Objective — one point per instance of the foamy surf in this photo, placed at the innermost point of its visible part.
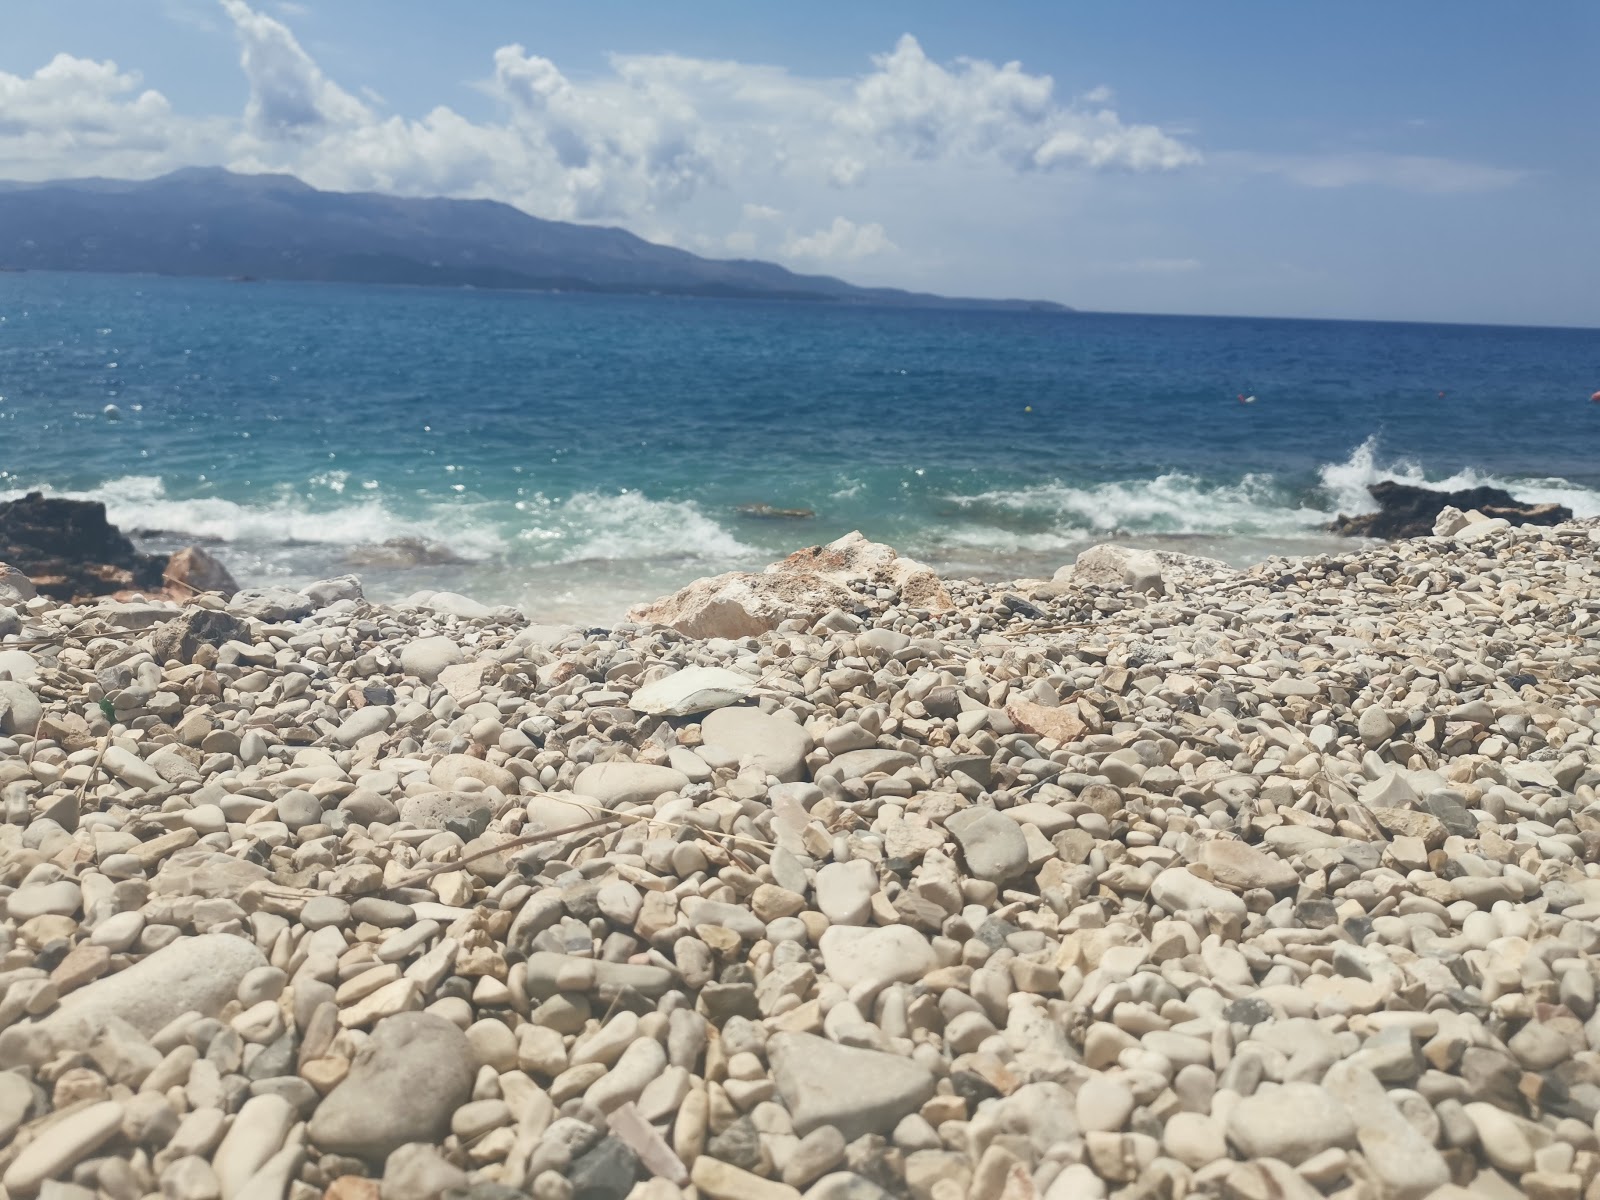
(1346, 483)
(596, 552)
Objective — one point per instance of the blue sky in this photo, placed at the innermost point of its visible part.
(1426, 161)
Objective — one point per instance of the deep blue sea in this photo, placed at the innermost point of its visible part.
(583, 452)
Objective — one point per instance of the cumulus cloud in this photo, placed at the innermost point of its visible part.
(843, 241)
(975, 109)
(646, 138)
(77, 116)
(289, 94)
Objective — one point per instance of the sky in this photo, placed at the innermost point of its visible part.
(1436, 160)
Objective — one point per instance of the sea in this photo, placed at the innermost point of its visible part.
(574, 454)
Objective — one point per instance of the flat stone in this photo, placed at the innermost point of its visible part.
(875, 956)
(549, 973)
(16, 1097)
(1291, 1122)
(993, 846)
(60, 898)
(1398, 1154)
(199, 974)
(1504, 1143)
(455, 767)
(692, 690)
(1178, 890)
(426, 657)
(857, 764)
(419, 1172)
(777, 746)
(434, 810)
(272, 604)
(20, 710)
(554, 813)
(256, 1134)
(364, 722)
(413, 1073)
(1241, 867)
(614, 783)
(130, 768)
(62, 1146)
(844, 891)
(855, 1091)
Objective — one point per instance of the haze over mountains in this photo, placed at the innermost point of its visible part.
(212, 222)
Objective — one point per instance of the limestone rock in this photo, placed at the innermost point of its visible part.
(428, 656)
(195, 570)
(273, 605)
(855, 1091)
(199, 973)
(1291, 1122)
(613, 783)
(993, 845)
(777, 746)
(20, 710)
(413, 1073)
(692, 690)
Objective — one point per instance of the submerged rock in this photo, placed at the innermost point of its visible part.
(1405, 510)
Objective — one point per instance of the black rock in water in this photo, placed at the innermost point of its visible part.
(70, 550)
(1408, 511)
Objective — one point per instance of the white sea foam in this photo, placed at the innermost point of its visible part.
(1347, 482)
(143, 502)
(1048, 516)
(590, 526)
(1169, 503)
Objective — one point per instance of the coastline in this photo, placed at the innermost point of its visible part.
(1159, 874)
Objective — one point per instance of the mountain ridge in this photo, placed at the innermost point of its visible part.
(207, 221)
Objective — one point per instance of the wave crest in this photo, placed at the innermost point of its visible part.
(1346, 483)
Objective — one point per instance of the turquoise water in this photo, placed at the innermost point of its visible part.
(580, 453)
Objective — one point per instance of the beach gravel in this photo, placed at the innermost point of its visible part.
(1157, 879)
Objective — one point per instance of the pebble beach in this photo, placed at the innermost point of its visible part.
(1155, 879)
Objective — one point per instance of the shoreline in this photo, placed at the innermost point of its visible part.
(1159, 875)
(599, 591)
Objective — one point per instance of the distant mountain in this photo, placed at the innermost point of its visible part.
(208, 221)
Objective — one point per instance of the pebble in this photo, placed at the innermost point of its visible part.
(1202, 882)
(855, 1091)
(413, 1073)
(62, 1146)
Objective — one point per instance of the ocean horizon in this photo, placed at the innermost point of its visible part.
(575, 454)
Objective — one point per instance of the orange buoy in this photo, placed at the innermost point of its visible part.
(1595, 399)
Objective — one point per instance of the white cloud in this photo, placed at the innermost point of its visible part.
(1402, 172)
(760, 212)
(76, 116)
(289, 94)
(647, 138)
(843, 241)
(975, 109)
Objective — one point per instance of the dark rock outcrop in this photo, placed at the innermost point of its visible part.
(1407, 511)
(70, 550)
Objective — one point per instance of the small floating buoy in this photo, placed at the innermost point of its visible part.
(1243, 399)
(112, 412)
(1595, 399)
(1027, 408)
